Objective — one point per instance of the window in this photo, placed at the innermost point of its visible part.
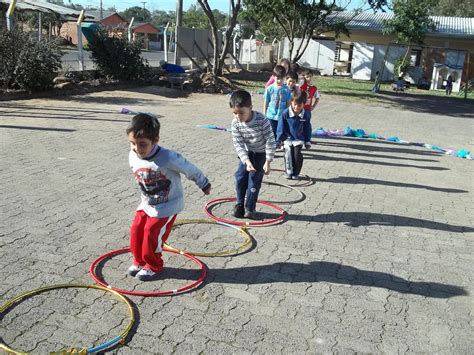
(415, 57)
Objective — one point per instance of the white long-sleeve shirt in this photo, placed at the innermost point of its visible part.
(159, 178)
(255, 136)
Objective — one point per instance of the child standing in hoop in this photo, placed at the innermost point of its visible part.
(157, 171)
(294, 131)
(254, 142)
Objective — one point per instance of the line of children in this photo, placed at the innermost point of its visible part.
(158, 170)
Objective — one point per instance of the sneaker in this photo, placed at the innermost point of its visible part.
(295, 177)
(238, 211)
(146, 275)
(250, 214)
(133, 270)
(288, 176)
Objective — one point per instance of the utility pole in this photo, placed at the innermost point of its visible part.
(179, 23)
(143, 2)
(101, 11)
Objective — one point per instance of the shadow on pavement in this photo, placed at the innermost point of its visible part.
(364, 181)
(357, 219)
(436, 105)
(324, 271)
(39, 128)
(317, 150)
(374, 148)
(62, 117)
(374, 162)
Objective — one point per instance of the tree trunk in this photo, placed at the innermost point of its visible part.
(218, 59)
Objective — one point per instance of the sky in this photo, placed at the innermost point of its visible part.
(170, 5)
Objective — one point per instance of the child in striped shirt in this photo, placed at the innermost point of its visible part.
(254, 142)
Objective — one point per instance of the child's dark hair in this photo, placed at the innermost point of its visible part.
(299, 96)
(144, 126)
(279, 71)
(307, 72)
(294, 67)
(240, 98)
(293, 75)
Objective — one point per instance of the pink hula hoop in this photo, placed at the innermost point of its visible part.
(208, 205)
(149, 294)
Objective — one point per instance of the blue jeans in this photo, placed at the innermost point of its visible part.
(274, 124)
(248, 184)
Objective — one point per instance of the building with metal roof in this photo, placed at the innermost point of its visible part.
(367, 50)
(462, 27)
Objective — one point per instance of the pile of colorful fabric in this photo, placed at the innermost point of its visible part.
(360, 133)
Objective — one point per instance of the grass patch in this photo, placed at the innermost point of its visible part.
(346, 88)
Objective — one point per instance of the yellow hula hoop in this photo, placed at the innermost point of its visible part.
(245, 246)
(118, 339)
(301, 197)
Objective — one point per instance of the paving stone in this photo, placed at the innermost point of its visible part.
(377, 259)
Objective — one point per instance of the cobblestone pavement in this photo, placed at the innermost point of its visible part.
(375, 259)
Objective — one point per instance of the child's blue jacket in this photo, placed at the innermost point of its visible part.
(294, 127)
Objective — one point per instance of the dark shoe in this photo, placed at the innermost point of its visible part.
(295, 177)
(239, 211)
(288, 176)
(250, 214)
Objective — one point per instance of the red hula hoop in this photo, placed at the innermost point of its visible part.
(149, 294)
(238, 223)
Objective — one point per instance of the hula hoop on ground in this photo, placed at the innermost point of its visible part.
(307, 180)
(246, 245)
(118, 339)
(210, 204)
(149, 294)
(302, 196)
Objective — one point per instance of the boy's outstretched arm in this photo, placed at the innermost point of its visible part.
(180, 164)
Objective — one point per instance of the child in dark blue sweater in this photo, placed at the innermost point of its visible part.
(294, 131)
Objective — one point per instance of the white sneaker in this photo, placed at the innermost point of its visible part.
(146, 275)
(133, 270)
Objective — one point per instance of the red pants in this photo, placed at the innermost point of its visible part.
(147, 236)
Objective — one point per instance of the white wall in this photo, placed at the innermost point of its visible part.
(394, 53)
(362, 56)
(319, 54)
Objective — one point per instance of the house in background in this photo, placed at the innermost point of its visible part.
(149, 35)
(113, 22)
(110, 20)
(448, 50)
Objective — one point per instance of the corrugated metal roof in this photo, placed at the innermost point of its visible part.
(445, 26)
(44, 6)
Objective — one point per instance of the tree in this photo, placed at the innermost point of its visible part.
(299, 19)
(461, 8)
(195, 17)
(139, 13)
(409, 24)
(116, 57)
(219, 57)
(161, 18)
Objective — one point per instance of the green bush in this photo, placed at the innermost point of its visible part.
(116, 58)
(26, 63)
(401, 65)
